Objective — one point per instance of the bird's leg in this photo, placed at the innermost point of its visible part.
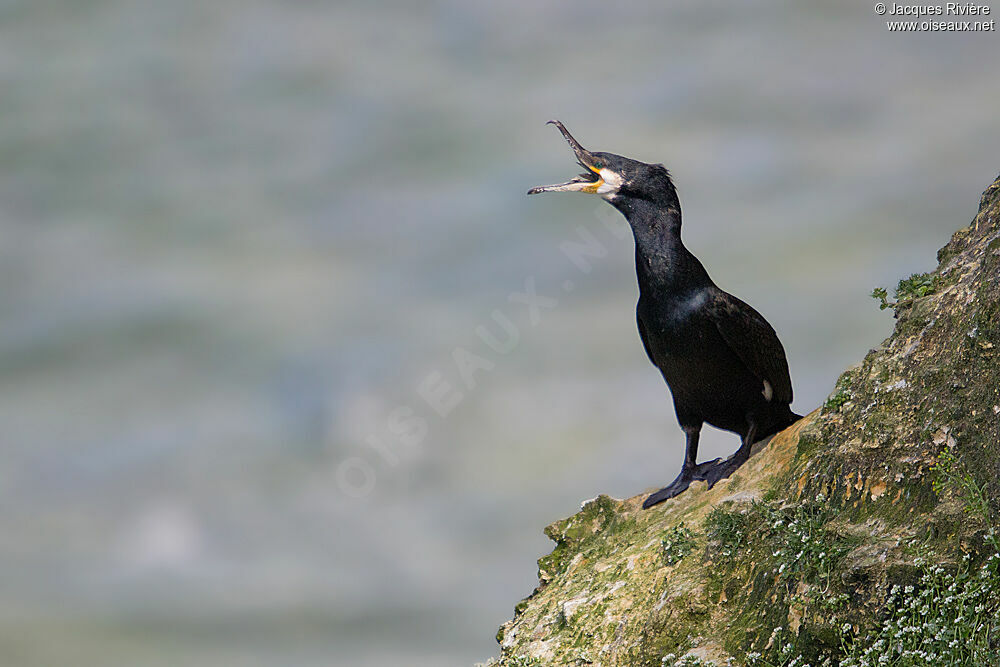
(690, 471)
(732, 464)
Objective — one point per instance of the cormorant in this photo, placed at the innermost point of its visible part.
(721, 359)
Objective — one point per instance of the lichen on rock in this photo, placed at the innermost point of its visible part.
(830, 533)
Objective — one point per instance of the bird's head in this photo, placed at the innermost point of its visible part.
(613, 177)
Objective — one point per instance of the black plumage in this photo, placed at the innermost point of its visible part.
(721, 359)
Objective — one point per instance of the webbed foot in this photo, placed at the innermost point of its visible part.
(682, 482)
(724, 469)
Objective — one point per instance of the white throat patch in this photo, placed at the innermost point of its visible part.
(612, 182)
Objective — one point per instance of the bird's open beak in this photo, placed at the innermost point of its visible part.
(588, 181)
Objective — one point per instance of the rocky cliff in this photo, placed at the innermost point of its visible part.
(862, 535)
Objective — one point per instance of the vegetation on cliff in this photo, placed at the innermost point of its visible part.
(865, 534)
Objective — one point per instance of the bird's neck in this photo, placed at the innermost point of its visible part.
(662, 262)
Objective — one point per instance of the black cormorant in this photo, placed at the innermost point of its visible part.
(720, 357)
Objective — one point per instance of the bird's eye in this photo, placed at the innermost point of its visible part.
(598, 165)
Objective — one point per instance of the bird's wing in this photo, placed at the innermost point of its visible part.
(754, 341)
(642, 335)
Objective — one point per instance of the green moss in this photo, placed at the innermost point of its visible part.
(836, 400)
(677, 543)
(671, 660)
(918, 285)
(790, 554)
(951, 477)
(667, 634)
(936, 613)
(882, 296)
(520, 607)
(573, 535)
(517, 661)
(842, 393)
(726, 530)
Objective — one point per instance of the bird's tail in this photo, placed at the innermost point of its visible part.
(790, 419)
(779, 424)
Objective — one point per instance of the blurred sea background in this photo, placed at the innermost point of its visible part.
(238, 236)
